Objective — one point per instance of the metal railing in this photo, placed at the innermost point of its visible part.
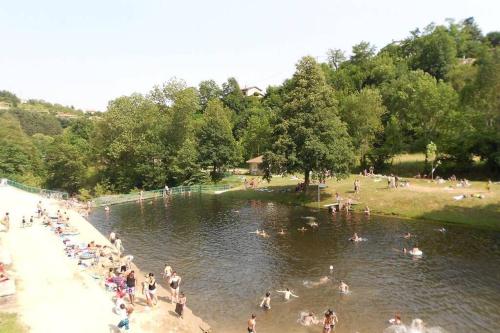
(136, 196)
(50, 194)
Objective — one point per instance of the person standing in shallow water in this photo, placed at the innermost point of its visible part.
(251, 324)
(175, 281)
(266, 302)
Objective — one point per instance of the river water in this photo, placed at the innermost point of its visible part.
(226, 269)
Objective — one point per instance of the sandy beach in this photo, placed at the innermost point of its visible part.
(53, 294)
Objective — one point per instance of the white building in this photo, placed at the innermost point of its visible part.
(252, 91)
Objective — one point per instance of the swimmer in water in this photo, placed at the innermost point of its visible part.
(106, 209)
(355, 238)
(281, 232)
(313, 224)
(416, 251)
(264, 234)
(321, 281)
(287, 293)
(443, 230)
(255, 232)
(343, 287)
(405, 250)
(302, 229)
(406, 235)
(396, 320)
(367, 210)
(266, 302)
(308, 319)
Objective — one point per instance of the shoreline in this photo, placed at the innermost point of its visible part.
(45, 309)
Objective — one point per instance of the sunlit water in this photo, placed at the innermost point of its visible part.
(226, 269)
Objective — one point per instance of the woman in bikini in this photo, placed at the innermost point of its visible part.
(175, 281)
(152, 288)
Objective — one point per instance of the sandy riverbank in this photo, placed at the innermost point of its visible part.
(54, 295)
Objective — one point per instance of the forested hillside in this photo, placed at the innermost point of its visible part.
(440, 85)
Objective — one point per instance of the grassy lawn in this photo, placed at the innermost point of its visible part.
(10, 324)
(423, 199)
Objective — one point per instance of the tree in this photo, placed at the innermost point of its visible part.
(10, 98)
(362, 112)
(232, 96)
(208, 90)
(257, 132)
(335, 58)
(217, 147)
(65, 167)
(494, 38)
(308, 134)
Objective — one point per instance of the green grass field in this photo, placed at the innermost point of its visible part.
(423, 199)
(9, 324)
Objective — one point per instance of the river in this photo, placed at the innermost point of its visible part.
(226, 269)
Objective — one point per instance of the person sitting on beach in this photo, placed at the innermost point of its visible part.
(287, 293)
(266, 301)
(367, 210)
(343, 287)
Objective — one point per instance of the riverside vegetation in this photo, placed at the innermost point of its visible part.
(439, 86)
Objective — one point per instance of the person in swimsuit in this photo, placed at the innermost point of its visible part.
(266, 302)
(175, 281)
(251, 324)
(355, 238)
(287, 293)
(112, 237)
(327, 322)
(302, 229)
(167, 273)
(152, 288)
(334, 319)
(367, 210)
(145, 292)
(281, 232)
(131, 282)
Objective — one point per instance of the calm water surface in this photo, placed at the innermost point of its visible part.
(226, 269)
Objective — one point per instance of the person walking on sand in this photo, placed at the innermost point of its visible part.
(152, 288)
(251, 324)
(39, 209)
(175, 282)
(145, 292)
(112, 237)
(181, 303)
(131, 283)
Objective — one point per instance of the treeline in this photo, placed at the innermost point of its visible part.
(440, 85)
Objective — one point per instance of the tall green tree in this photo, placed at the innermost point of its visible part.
(217, 147)
(309, 134)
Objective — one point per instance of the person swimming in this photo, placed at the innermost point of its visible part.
(266, 302)
(307, 319)
(302, 229)
(321, 281)
(443, 230)
(287, 293)
(281, 232)
(343, 287)
(406, 235)
(416, 251)
(367, 210)
(396, 320)
(355, 238)
(313, 224)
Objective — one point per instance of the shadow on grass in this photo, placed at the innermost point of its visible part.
(281, 193)
(487, 216)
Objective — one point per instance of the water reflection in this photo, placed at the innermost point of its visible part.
(226, 269)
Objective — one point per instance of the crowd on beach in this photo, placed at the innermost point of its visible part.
(105, 262)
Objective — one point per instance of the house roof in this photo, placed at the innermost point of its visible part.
(253, 87)
(257, 159)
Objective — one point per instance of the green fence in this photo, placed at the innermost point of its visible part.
(45, 193)
(136, 196)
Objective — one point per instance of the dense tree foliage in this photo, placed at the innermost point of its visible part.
(441, 84)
